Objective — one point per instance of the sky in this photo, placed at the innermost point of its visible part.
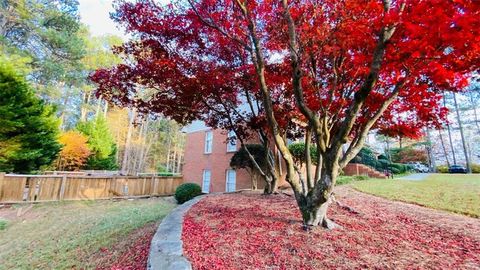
(96, 14)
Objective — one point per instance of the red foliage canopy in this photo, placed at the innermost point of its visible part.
(194, 59)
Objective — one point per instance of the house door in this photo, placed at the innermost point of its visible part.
(206, 181)
(231, 181)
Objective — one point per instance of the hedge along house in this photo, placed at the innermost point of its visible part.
(207, 160)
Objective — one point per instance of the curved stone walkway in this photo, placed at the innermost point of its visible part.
(166, 249)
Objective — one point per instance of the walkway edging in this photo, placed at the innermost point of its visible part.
(166, 249)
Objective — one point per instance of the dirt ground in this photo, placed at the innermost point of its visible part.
(252, 231)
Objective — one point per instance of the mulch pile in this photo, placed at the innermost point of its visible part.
(252, 231)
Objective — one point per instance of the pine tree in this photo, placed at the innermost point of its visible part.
(100, 142)
(28, 127)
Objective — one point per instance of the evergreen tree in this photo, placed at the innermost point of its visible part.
(100, 142)
(28, 127)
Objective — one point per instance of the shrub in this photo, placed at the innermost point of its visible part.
(395, 170)
(75, 151)
(475, 168)
(241, 160)
(398, 168)
(383, 164)
(187, 191)
(382, 157)
(442, 169)
(298, 152)
(3, 224)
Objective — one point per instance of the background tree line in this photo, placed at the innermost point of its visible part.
(51, 118)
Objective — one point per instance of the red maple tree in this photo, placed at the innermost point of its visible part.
(329, 70)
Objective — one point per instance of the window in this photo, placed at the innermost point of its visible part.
(206, 181)
(208, 142)
(231, 181)
(231, 142)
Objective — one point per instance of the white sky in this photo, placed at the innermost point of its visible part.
(96, 14)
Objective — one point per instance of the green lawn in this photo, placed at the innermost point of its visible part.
(65, 235)
(452, 192)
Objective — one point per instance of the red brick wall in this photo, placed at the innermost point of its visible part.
(218, 162)
(360, 169)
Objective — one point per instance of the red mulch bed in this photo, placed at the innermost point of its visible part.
(252, 231)
(131, 253)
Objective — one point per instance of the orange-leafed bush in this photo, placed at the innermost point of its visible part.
(407, 155)
(75, 151)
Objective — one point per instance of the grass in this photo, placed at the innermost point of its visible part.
(344, 179)
(452, 192)
(65, 235)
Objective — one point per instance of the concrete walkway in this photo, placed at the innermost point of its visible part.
(415, 177)
(166, 250)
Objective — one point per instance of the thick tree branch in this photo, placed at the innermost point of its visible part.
(356, 146)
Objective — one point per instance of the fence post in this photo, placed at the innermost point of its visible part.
(2, 187)
(62, 187)
(144, 185)
(112, 184)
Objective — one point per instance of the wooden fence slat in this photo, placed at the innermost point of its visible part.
(61, 195)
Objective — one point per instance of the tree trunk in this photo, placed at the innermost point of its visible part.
(271, 185)
(179, 162)
(450, 133)
(316, 214)
(443, 147)
(314, 206)
(475, 115)
(431, 158)
(465, 151)
(128, 140)
(254, 176)
(84, 107)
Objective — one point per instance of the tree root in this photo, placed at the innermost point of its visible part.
(327, 224)
(330, 224)
(344, 206)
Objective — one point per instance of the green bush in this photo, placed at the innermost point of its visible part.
(187, 191)
(395, 170)
(3, 224)
(382, 157)
(383, 164)
(475, 168)
(298, 152)
(442, 169)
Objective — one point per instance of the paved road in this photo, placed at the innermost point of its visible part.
(415, 177)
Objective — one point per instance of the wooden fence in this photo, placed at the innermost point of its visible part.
(43, 188)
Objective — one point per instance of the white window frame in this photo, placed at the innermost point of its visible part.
(227, 178)
(206, 187)
(208, 142)
(231, 147)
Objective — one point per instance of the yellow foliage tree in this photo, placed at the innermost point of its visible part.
(75, 151)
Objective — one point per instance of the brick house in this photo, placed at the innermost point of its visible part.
(207, 160)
